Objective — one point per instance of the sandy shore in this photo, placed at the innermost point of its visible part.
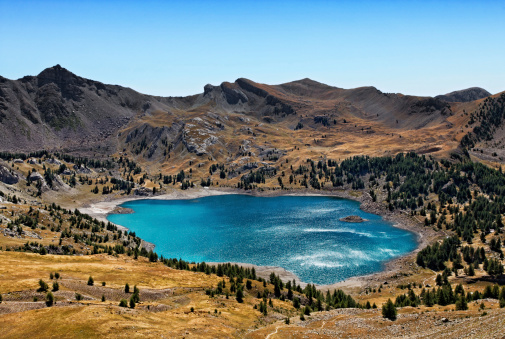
(102, 209)
(401, 265)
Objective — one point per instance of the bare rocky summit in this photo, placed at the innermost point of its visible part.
(465, 95)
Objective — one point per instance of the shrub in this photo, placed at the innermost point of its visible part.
(56, 286)
(123, 303)
(91, 282)
(103, 298)
(43, 286)
(49, 299)
(126, 288)
(132, 302)
(57, 275)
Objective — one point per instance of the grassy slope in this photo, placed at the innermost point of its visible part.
(170, 294)
(21, 272)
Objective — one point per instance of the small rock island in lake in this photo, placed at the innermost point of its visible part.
(353, 218)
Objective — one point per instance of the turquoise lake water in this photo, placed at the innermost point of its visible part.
(301, 234)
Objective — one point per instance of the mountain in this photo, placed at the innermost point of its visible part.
(465, 95)
(58, 110)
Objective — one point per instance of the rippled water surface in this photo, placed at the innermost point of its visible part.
(301, 234)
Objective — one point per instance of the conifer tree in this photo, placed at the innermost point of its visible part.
(389, 310)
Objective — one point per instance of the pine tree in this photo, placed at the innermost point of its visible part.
(296, 303)
(461, 304)
(389, 310)
(136, 296)
(240, 296)
(471, 270)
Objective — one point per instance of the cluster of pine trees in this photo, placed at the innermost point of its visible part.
(445, 295)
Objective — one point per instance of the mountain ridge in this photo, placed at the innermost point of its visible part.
(60, 110)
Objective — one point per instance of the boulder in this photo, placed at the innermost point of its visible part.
(36, 176)
(82, 169)
(143, 192)
(7, 177)
(32, 161)
(18, 161)
(53, 161)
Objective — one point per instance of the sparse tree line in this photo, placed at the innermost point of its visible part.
(306, 300)
(444, 295)
(490, 114)
(81, 228)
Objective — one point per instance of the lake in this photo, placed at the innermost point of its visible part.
(302, 234)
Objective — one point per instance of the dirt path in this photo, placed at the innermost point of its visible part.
(273, 333)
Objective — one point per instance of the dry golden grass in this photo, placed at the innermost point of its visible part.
(167, 312)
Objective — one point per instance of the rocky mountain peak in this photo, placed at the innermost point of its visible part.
(465, 95)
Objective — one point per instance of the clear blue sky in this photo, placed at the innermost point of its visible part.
(175, 48)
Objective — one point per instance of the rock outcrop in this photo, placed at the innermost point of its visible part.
(82, 169)
(7, 177)
(353, 218)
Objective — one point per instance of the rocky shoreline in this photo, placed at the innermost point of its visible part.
(398, 266)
